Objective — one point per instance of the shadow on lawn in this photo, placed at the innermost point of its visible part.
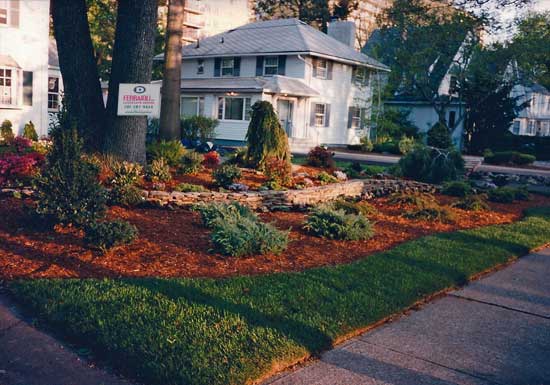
(313, 339)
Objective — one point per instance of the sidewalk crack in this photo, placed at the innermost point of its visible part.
(498, 305)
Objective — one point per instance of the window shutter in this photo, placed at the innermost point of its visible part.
(237, 66)
(329, 70)
(327, 115)
(353, 74)
(312, 115)
(362, 118)
(259, 65)
(217, 66)
(350, 116)
(27, 88)
(14, 13)
(314, 69)
(282, 65)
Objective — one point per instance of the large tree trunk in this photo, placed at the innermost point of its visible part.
(132, 63)
(80, 77)
(171, 82)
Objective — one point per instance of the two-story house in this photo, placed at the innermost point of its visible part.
(534, 119)
(30, 83)
(318, 85)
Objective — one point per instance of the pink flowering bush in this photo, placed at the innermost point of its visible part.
(18, 161)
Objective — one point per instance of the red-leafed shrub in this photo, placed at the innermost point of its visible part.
(278, 172)
(22, 145)
(17, 167)
(320, 157)
(211, 159)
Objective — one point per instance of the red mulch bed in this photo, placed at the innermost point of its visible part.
(173, 243)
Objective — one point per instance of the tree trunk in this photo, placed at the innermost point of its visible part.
(171, 82)
(80, 77)
(132, 63)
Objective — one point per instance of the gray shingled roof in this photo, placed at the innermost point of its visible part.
(276, 37)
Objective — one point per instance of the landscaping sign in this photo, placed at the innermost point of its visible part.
(138, 99)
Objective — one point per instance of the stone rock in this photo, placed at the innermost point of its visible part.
(340, 175)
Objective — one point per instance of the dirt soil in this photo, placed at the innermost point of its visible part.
(172, 243)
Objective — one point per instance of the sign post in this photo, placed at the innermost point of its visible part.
(138, 99)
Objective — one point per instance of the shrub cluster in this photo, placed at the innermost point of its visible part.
(327, 222)
(170, 151)
(226, 175)
(508, 194)
(29, 131)
(326, 178)
(19, 162)
(413, 199)
(189, 187)
(432, 165)
(197, 128)
(320, 157)
(237, 231)
(406, 144)
(124, 190)
(472, 203)
(159, 171)
(439, 136)
(457, 189)
(6, 131)
(105, 235)
(386, 145)
(355, 208)
(211, 159)
(509, 157)
(431, 213)
(190, 163)
(278, 172)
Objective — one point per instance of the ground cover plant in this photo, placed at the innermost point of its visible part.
(472, 203)
(227, 174)
(508, 194)
(457, 189)
(509, 157)
(237, 330)
(432, 165)
(333, 223)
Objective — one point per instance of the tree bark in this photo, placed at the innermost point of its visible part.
(83, 97)
(171, 82)
(132, 63)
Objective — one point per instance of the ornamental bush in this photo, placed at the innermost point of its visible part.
(211, 159)
(29, 131)
(105, 235)
(326, 178)
(124, 190)
(159, 171)
(278, 172)
(68, 190)
(457, 189)
(190, 163)
(432, 165)
(189, 187)
(265, 137)
(508, 194)
(226, 175)
(326, 222)
(472, 203)
(356, 208)
(212, 212)
(6, 131)
(320, 157)
(171, 151)
(509, 157)
(406, 144)
(432, 212)
(439, 136)
(19, 168)
(198, 127)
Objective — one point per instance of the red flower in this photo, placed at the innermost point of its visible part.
(211, 159)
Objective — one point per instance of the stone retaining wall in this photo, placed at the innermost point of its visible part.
(272, 200)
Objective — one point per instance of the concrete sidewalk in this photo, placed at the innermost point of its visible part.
(494, 331)
(31, 357)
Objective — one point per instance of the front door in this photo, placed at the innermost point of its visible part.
(284, 111)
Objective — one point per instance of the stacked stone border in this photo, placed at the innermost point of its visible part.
(273, 200)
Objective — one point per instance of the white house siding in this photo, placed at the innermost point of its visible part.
(533, 120)
(27, 44)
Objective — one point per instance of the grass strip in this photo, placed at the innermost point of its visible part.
(237, 330)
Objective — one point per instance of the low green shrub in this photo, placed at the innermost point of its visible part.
(366, 144)
(171, 151)
(326, 222)
(6, 131)
(457, 189)
(158, 171)
(198, 128)
(431, 213)
(190, 163)
(189, 187)
(326, 178)
(439, 136)
(320, 157)
(406, 144)
(226, 175)
(124, 190)
(29, 131)
(239, 157)
(508, 194)
(105, 235)
(432, 165)
(354, 208)
(509, 157)
(386, 145)
(210, 213)
(414, 199)
(472, 203)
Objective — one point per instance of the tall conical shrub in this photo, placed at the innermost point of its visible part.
(265, 137)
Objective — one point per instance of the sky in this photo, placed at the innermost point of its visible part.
(508, 15)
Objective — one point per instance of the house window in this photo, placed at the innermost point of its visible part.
(228, 65)
(531, 127)
(6, 86)
(271, 65)
(321, 68)
(53, 93)
(320, 114)
(4, 11)
(360, 76)
(516, 127)
(452, 119)
(231, 108)
(355, 114)
(453, 85)
(200, 67)
(192, 106)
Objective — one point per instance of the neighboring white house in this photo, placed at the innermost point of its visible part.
(318, 85)
(533, 120)
(29, 81)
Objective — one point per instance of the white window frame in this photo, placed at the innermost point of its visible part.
(356, 120)
(200, 105)
(271, 65)
(13, 78)
(232, 67)
(318, 73)
(321, 115)
(200, 66)
(245, 113)
(5, 4)
(53, 93)
(362, 80)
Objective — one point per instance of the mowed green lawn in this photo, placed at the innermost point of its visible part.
(232, 331)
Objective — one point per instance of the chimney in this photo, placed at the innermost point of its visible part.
(343, 31)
